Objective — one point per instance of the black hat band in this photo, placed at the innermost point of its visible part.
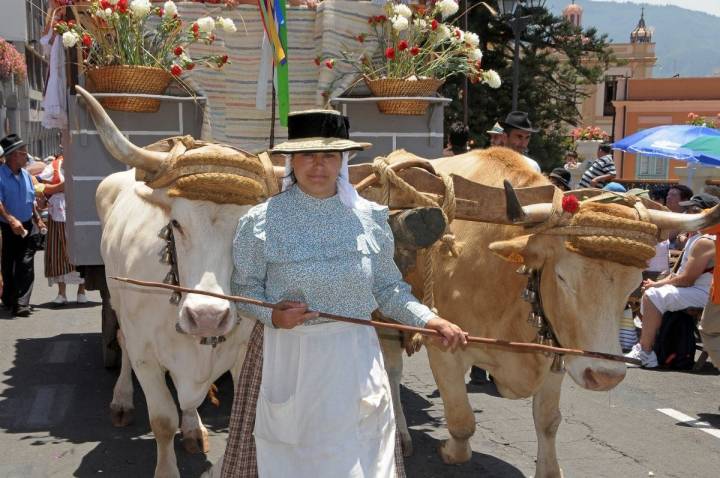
(320, 124)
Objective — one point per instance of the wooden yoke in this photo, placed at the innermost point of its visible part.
(474, 201)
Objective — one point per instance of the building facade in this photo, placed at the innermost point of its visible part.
(636, 60)
(22, 24)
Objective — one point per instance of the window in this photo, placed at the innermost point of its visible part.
(650, 167)
(611, 83)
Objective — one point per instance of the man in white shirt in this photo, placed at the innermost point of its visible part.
(518, 130)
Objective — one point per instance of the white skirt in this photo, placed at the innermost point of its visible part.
(324, 408)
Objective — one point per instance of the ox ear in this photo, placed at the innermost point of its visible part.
(513, 250)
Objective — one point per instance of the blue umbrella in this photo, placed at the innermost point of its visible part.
(668, 141)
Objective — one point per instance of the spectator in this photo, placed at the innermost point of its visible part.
(497, 135)
(689, 287)
(58, 268)
(560, 177)
(457, 139)
(571, 160)
(614, 187)
(676, 194)
(518, 129)
(601, 171)
(710, 320)
(658, 193)
(17, 209)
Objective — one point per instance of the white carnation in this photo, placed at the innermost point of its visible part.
(140, 8)
(476, 54)
(206, 24)
(420, 23)
(443, 32)
(447, 8)
(226, 24)
(100, 13)
(458, 36)
(402, 10)
(472, 39)
(399, 23)
(169, 9)
(492, 78)
(70, 39)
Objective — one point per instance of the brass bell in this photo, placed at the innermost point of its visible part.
(539, 321)
(558, 364)
(523, 270)
(175, 298)
(528, 295)
(165, 233)
(170, 278)
(166, 256)
(531, 318)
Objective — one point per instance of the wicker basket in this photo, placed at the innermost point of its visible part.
(394, 87)
(129, 79)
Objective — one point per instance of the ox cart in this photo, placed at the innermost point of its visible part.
(88, 163)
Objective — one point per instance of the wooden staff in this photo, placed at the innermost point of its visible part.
(520, 346)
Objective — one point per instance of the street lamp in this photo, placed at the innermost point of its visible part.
(511, 8)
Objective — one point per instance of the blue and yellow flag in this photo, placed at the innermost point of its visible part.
(272, 14)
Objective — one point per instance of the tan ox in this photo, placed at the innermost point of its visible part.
(481, 291)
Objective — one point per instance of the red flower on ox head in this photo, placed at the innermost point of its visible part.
(330, 64)
(122, 6)
(570, 204)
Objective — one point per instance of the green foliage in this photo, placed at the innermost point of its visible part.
(557, 60)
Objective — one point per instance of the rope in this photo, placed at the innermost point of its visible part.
(388, 180)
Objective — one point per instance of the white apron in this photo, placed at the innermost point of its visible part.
(324, 408)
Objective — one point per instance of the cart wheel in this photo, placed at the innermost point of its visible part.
(111, 351)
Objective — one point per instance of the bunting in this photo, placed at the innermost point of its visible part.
(273, 15)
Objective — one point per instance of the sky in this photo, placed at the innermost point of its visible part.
(707, 6)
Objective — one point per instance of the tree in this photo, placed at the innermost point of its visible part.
(557, 62)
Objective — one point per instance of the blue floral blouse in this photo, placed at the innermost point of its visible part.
(318, 251)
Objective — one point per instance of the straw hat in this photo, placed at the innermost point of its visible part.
(318, 130)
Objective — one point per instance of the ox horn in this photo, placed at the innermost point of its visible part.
(674, 221)
(116, 143)
(517, 214)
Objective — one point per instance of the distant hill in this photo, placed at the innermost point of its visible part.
(686, 41)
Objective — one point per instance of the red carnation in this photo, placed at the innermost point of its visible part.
(71, 23)
(86, 40)
(178, 50)
(371, 20)
(414, 50)
(402, 45)
(160, 11)
(382, 18)
(189, 66)
(195, 28)
(390, 53)
(122, 6)
(105, 4)
(434, 25)
(570, 204)
(330, 63)
(176, 70)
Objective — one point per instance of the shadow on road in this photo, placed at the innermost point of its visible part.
(60, 392)
(426, 463)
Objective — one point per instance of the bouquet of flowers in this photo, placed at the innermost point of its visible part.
(589, 133)
(415, 43)
(697, 120)
(135, 33)
(11, 62)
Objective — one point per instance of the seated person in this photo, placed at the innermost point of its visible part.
(688, 287)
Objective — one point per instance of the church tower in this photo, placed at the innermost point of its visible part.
(642, 33)
(573, 14)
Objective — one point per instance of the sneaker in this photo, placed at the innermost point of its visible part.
(59, 300)
(21, 311)
(647, 359)
(82, 299)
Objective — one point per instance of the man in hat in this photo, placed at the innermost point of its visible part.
(560, 177)
(518, 129)
(497, 135)
(688, 287)
(17, 208)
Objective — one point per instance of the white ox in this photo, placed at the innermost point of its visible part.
(157, 336)
(583, 299)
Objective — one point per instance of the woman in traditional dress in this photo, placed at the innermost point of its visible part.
(58, 268)
(324, 408)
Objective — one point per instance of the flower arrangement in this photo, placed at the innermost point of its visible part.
(124, 32)
(11, 62)
(697, 120)
(589, 133)
(415, 43)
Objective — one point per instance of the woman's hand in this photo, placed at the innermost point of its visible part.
(291, 314)
(452, 335)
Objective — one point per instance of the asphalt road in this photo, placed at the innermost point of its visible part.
(54, 418)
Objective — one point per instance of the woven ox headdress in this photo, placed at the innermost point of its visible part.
(190, 168)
